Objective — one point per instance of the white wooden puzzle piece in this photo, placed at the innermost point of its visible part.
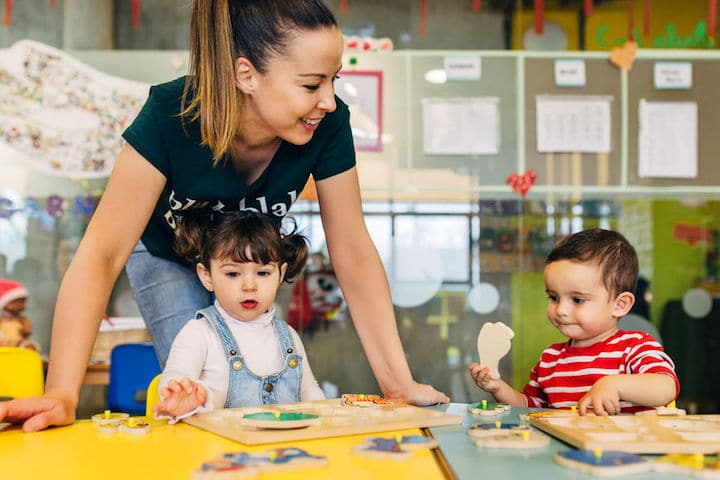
(493, 343)
(485, 408)
(517, 439)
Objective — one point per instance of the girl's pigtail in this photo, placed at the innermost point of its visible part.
(296, 255)
(190, 233)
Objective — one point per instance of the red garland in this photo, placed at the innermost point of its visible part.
(135, 14)
(343, 6)
(8, 13)
(589, 4)
(646, 19)
(421, 26)
(712, 17)
(476, 6)
(631, 21)
(539, 20)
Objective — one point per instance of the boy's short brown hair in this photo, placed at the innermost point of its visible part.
(616, 257)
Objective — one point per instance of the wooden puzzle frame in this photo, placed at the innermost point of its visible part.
(335, 419)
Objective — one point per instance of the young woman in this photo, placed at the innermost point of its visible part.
(256, 116)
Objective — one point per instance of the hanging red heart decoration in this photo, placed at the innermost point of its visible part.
(522, 183)
(51, 4)
(8, 13)
(476, 6)
(135, 14)
(539, 17)
(712, 17)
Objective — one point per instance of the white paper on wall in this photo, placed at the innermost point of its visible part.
(668, 142)
(461, 126)
(573, 123)
(64, 116)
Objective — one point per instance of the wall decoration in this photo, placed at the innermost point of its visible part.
(53, 205)
(65, 116)
(362, 91)
(367, 44)
(522, 183)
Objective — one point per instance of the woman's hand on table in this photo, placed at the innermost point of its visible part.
(419, 394)
(38, 413)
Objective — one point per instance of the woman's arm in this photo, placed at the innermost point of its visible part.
(364, 284)
(121, 216)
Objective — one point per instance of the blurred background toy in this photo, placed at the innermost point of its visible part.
(15, 328)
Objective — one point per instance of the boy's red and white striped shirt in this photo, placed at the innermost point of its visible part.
(565, 373)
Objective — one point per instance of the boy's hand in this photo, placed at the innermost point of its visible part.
(603, 397)
(181, 397)
(481, 375)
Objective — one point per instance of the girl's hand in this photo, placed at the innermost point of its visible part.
(179, 398)
(482, 377)
(419, 394)
(603, 398)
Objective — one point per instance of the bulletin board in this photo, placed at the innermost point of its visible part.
(704, 91)
(497, 80)
(573, 169)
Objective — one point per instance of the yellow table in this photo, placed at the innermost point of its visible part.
(80, 452)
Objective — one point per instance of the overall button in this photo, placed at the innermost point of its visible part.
(289, 350)
(237, 365)
(292, 363)
(269, 387)
(233, 352)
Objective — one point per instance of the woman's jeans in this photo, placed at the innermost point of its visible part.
(167, 293)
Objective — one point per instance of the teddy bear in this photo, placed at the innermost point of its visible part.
(15, 328)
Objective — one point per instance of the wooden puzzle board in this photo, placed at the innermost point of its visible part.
(642, 434)
(335, 420)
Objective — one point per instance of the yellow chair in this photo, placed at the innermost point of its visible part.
(21, 373)
(153, 396)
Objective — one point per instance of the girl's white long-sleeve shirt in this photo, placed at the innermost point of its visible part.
(198, 354)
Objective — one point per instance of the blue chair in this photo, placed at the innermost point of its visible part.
(132, 368)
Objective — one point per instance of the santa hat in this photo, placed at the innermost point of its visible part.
(11, 290)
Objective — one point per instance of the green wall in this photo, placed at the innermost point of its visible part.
(678, 265)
